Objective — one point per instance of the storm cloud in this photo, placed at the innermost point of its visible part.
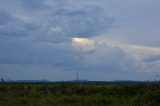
(36, 38)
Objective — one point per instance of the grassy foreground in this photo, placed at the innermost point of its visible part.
(14, 94)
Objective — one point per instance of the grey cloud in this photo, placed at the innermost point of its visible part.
(4, 17)
(38, 32)
(84, 22)
(108, 58)
(13, 26)
(32, 5)
(152, 58)
(74, 20)
(15, 53)
(55, 22)
(103, 58)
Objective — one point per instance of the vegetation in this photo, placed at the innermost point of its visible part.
(66, 94)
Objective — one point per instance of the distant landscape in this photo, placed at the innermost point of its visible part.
(80, 93)
(79, 52)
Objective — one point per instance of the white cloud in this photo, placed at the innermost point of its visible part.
(141, 51)
(83, 44)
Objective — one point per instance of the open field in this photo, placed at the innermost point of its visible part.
(67, 94)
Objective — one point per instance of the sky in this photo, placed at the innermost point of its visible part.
(102, 40)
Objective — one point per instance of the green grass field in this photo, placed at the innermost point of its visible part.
(21, 94)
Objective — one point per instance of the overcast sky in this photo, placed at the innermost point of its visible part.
(99, 39)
